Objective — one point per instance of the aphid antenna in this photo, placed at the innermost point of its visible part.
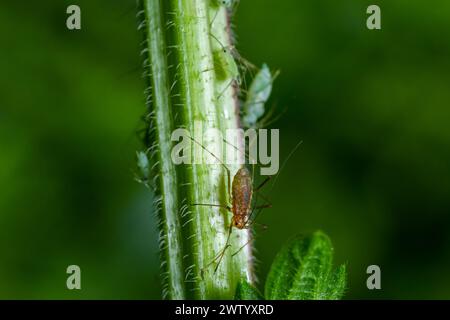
(220, 162)
(258, 194)
(247, 155)
(284, 163)
(225, 89)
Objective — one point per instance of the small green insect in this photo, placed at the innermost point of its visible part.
(143, 165)
(225, 66)
(257, 96)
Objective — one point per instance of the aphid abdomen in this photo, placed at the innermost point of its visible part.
(242, 191)
(224, 65)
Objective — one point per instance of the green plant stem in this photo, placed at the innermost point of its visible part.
(193, 236)
(170, 225)
(200, 92)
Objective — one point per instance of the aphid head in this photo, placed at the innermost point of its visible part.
(239, 222)
(226, 3)
(229, 3)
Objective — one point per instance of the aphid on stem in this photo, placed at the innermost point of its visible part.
(225, 65)
(240, 192)
(225, 68)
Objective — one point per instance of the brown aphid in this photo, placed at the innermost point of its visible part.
(242, 192)
(241, 201)
(241, 205)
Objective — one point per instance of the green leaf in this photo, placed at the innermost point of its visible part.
(302, 270)
(337, 284)
(245, 291)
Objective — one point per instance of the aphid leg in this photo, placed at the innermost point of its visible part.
(240, 249)
(142, 181)
(220, 255)
(225, 89)
(247, 155)
(264, 228)
(262, 184)
(264, 206)
(251, 220)
(227, 244)
(202, 270)
(285, 162)
(246, 65)
(268, 203)
(214, 18)
(268, 119)
(218, 41)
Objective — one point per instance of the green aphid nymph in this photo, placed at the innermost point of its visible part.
(224, 65)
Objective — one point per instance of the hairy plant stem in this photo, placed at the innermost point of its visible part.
(161, 114)
(193, 236)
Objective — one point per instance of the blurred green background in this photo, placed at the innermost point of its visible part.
(372, 109)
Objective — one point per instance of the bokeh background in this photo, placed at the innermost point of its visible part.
(372, 109)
